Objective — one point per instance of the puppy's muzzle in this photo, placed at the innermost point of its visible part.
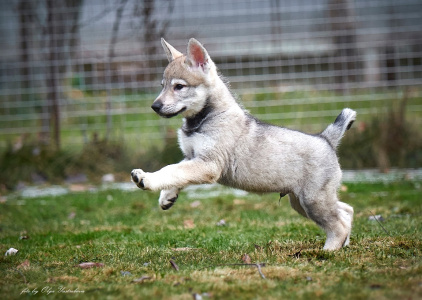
(156, 106)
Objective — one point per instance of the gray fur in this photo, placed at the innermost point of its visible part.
(223, 143)
(334, 132)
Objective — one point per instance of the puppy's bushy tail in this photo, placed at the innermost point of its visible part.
(334, 132)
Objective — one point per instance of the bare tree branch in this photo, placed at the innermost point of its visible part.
(100, 15)
(116, 25)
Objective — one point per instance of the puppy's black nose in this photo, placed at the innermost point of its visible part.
(156, 106)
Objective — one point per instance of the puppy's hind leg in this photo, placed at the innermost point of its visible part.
(295, 204)
(334, 218)
(346, 213)
(168, 198)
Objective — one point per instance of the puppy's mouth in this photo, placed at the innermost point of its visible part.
(164, 115)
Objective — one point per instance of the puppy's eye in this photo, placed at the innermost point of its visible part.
(178, 87)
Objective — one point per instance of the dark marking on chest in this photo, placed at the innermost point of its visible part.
(193, 124)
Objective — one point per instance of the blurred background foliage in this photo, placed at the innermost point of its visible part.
(77, 79)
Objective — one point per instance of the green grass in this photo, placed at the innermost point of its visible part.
(128, 232)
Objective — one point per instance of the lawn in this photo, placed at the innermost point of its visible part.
(138, 251)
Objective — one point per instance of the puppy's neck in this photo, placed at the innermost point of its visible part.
(193, 124)
(221, 95)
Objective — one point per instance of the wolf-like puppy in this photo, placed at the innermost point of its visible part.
(223, 143)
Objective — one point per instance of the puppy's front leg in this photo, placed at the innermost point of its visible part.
(195, 171)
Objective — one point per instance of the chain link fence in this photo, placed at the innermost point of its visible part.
(73, 70)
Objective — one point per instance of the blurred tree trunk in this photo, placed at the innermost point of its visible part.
(343, 29)
(151, 30)
(275, 17)
(53, 94)
(109, 67)
(25, 11)
(61, 35)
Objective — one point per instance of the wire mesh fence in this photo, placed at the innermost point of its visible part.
(73, 69)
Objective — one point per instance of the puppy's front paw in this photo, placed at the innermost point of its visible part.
(167, 198)
(138, 178)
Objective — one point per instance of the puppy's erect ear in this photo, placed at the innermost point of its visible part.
(171, 53)
(197, 55)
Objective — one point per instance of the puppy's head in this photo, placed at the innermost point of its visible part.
(187, 81)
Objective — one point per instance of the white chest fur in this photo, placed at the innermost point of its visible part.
(196, 144)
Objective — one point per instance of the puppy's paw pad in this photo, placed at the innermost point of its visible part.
(138, 177)
(167, 203)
